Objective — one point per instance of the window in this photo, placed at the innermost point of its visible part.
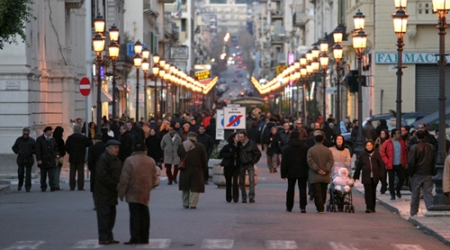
(183, 25)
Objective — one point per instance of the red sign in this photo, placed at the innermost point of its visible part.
(85, 86)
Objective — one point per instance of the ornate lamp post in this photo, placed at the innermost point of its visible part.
(303, 75)
(400, 21)
(137, 63)
(145, 67)
(98, 43)
(155, 72)
(441, 202)
(162, 75)
(315, 68)
(324, 59)
(359, 44)
(337, 54)
(114, 49)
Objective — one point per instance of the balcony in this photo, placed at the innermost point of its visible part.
(74, 4)
(423, 13)
(277, 14)
(278, 37)
(166, 1)
(173, 8)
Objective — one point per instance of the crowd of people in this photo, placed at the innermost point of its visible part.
(123, 159)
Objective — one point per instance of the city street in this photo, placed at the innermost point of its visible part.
(66, 220)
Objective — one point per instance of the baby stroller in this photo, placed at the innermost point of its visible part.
(341, 198)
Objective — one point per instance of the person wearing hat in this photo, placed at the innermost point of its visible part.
(76, 145)
(108, 169)
(46, 150)
(136, 182)
(94, 152)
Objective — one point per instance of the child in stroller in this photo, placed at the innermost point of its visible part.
(340, 191)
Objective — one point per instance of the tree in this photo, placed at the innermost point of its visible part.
(14, 15)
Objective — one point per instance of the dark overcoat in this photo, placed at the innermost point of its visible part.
(293, 160)
(369, 164)
(94, 153)
(24, 148)
(108, 170)
(191, 179)
(76, 145)
(46, 152)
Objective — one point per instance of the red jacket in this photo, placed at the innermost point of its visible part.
(387, 154)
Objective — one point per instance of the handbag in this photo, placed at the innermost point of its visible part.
(182, 165)
(59, 161)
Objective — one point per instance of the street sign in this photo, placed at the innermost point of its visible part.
(85, 86)
(130, 48)
(234, 117)
(220, 129)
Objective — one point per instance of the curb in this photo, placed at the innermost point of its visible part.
(4, 186)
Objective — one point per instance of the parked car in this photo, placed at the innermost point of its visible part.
(432, 121)
(407, 119)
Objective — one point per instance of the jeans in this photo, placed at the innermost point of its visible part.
(76, 168)
(272, 162)
(57, 175)
(301, 182)
(139, 222)
(320, 195)
(24, 170)
(251, 179)
(370, 191)
(400, 171)
(417, 182)
(106, 218)
(51, 178)
(231, 182)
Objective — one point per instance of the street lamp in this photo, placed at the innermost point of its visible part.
(324, 59)
(114, 49)
(98, 44)
(359, 44)
(303, 75)
(441, 202)
(137, 63)
(155, 72)
(337, 54)
(315, 64)
(400, 19)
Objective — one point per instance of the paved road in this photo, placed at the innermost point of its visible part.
(66, 220)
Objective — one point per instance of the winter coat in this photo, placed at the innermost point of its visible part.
(273, 144)
(207, 143)
(293, 159)
(153, 144)
(108, 170)
(370, 132)
(249, 154)
(265, 132)
(24, 148)
(428, 138)
(211, 130)
(371, 166)
(191, 178)
(126, 146)
(46, 152)
(137, 179)
(94, 153)
(76, 145)
(422, 159)
(284, 137)
(387, 154)
(319, 157)
(183, 135)
(230, 155)
(170, 149)
(254, 135)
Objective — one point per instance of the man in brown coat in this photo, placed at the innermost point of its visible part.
(136, 181)
(191, 178)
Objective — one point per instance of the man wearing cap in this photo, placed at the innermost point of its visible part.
(108, 170)
(46, 148)
(136, 181)
(76, 145)
(94, 152)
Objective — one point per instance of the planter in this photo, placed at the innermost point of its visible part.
(211, 164)
(219, 177)
(158, 174)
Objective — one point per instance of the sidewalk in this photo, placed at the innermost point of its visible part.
(433, 223)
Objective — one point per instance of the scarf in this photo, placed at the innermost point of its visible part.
(342, 147)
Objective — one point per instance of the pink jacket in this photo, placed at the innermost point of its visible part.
(387, 154)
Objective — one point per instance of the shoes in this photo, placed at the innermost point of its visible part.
(170, 183)
(72, 189)
(19, 188)
(311, 198)
(252, 201)
(289, 210)
(193, 207)
(372, 211)
(236, 201)
(114, 241)
(392, 198)
(275, 170)
(303, 211)
(130, 243)
(399, 195)
(81, 189)
(43, 190)
(186, 207)
(52, 190)
(206, 183)
(244, 201)
(175, 181)
(28, 190)
(103, 242)
(320, 212)
(368, 211)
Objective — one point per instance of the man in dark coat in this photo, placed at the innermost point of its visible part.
(211, 131)
(191, 178)
(108, 170)
(249, 155)
(370, 132)
(208, 143)
(428, 137)
(94, 152)
(24, 148)
(284, 134)
(126, 143)
(295, 168)
(46, 149)
(76, 145)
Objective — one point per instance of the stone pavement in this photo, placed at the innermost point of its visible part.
(436, 224)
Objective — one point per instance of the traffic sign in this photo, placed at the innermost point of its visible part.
(85, 86)
(220, 129)
(234, 117)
